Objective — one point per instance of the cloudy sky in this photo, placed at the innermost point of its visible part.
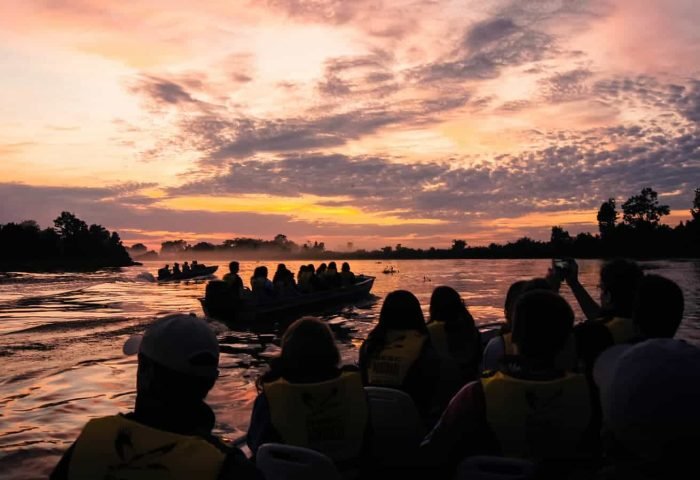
(371, 121)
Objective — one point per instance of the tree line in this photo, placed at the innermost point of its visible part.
(69, 245)
(638, 233)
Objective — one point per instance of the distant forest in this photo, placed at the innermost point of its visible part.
(70, 245)
(638, 233)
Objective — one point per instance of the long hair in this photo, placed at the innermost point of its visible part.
(447, 306)
(400, 311)
(309, 354)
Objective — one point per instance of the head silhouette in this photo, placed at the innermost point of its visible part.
(619, 280)
(309, 353)
(542, 323)
(511, 297)
(401, 311)
(447, 306)
(659, 307)
(233, 267)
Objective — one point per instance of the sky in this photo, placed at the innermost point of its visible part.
(374, 122)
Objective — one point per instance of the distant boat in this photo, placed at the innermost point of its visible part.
(249, 309)
(390, 271)
(199, 272)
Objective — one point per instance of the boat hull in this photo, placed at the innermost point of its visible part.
(203, 272)
(245, 311)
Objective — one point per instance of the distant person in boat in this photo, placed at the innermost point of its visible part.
(169, 433)
(321, 280)
(176, 269)
(304, 278)
(260, 284)
(529, 409)
(233, 279)
(164, 272)
(347, 278)
(308, 400)
(332, 275)
(186, 268)
(398, 353)
(196, 266)
(454, 335)
(314, 279)
(283, 281)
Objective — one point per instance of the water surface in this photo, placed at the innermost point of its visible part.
(61, 338)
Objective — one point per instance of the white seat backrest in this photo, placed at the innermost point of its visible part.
(396, 425)
(495, 468)
(277, 461)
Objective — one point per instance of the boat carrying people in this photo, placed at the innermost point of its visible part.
(187, 271)
(283, 296)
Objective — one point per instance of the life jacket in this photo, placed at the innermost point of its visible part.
(330, 417)
(438, 337)
(391, 365)
(118, 448)
(537, 419)
(622, 329)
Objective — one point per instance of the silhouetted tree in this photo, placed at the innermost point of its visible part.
(643, 210)
(459, 245)
(173, 247)
(69, 226)
(607, 216)
(139, 249)
(203, 247)
(695, 211)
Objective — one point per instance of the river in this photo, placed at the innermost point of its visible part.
(61, 338)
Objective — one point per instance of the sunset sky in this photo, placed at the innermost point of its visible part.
(370, 121)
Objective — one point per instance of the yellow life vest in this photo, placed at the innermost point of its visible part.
(390, 367)
(330, 417)
(118, 448)
(537, 419)
(622, 329)
(438, 337)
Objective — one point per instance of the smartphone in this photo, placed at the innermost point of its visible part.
(560, 264)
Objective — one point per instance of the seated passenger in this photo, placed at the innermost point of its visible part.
(305, 399)
(321, 280)
(186, 268)
(332, 275)
(398, 353)
(610, 322)
(196, 266)
(176, 269)
(503, 346)
(529, 409)
(164, 272)
(260, 284)
(168, 435)
(650, 396)
(283, 281)
(456, 339)
(233, 279)
(347, 278)
(304, 279)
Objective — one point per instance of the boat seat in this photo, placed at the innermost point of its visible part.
(495, 468)
(397, 428)
(277, 461)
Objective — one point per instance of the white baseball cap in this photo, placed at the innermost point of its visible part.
(650, 393)
(184, 343)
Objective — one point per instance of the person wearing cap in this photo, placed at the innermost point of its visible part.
(529, 408)
(307, 400)
(650, 395)
(168, 435)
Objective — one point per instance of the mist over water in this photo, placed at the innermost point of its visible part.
(61, 338)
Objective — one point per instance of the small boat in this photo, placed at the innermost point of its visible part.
(225, 307)
(390, 271)
(199, 272)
